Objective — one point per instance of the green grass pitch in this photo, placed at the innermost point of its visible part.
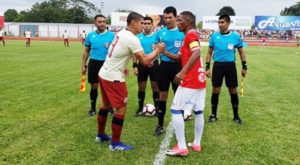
(43, 116)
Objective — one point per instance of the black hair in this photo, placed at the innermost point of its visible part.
(99, 15)
(225, 17)
(191, 17)
(148, 18)
(170, 9)
(133, 16)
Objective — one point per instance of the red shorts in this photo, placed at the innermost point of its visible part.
(66, 40)
(1, 38)
(28, 39)
(82, 40)
(113, 93)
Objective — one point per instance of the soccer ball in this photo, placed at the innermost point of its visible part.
(149, 110)
(187, 115)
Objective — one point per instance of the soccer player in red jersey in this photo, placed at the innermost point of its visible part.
(190, 94)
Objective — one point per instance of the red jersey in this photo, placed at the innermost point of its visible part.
(195, 78)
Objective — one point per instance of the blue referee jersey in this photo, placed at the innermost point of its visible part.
(172, 38)
(147, 41)
(224, 46)
(99, 44)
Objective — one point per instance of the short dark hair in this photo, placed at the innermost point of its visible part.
(171, 9)
(148, 18)
(99, 15)
(225, 17)
(191, 17)
(133, 16)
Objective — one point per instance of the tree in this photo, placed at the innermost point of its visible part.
(11, 15)
(291, 11)
(226, 10)
(60, 11)
(199, 25)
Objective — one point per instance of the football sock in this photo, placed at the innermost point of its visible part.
(235, 105)
(93, 97)
(214, 103)
(155, 96)
(116, 127)
(161, 112)
(102, 115)
(178, 124)
(199, 126)
(141, 98)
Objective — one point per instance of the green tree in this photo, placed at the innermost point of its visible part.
(60, 11)
(291, 11)
(11, 15)
(226, 10)
(199, 25)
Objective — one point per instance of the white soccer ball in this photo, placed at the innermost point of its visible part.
(149, 110)
(187, 115)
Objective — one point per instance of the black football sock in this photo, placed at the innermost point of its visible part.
(155, 96)
(93, 97)
(214, 103)
(235, 105)
(161, 112)
(141, 98)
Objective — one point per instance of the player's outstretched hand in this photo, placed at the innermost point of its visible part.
(244, 72)
(161, 47)
(208, 74)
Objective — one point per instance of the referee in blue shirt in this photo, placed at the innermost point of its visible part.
(222, 46)
(96, 47)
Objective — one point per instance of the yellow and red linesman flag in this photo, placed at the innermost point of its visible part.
(82, 83)
(242, 88)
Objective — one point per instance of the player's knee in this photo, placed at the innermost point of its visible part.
(232, 90)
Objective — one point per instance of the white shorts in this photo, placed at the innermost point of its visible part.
(188, 99)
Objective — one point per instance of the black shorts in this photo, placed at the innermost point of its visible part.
(227, 69)
(144, 72)
(167, 72)
(94, 67)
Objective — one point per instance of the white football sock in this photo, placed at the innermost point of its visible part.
(199, 126)
(178, 124)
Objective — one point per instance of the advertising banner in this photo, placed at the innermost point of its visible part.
(277, 22)
(119, 18)
(237, 22)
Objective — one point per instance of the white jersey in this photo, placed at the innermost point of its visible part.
(1, 33)
(65, 35)
(28, 34)
(83, 35)
(124, 45)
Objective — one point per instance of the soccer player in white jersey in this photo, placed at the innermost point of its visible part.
(27, 36)
(66, 38)
(1, 36)
(83, 36)
(112, 78)
(190, 94)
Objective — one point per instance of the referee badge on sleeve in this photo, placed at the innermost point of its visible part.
(106, 44)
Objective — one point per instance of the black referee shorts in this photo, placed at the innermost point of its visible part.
(167, 72)
(145, 72)
(94, 67)
(227, 70)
